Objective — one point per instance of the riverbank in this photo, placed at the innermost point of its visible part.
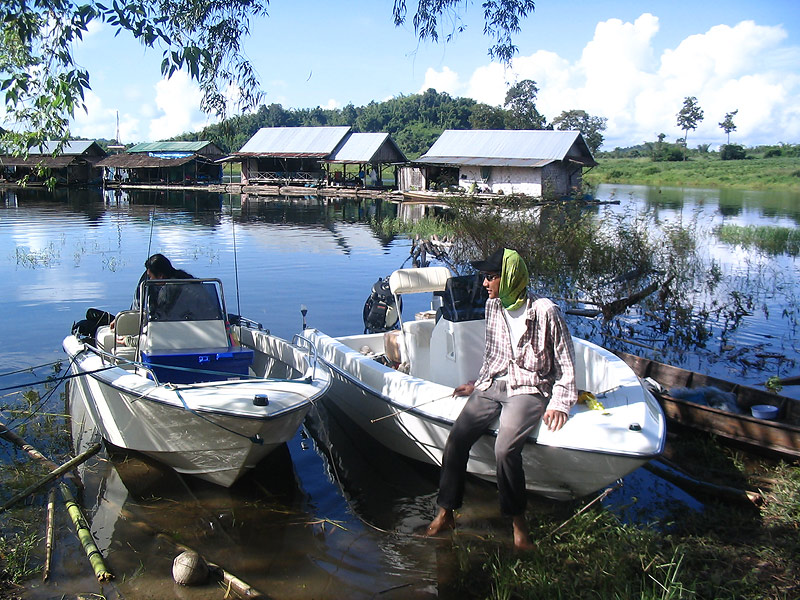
(776, 173)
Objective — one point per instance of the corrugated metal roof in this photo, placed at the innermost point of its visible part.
(139, 160)
(484, 162)
(295, 141)
(363, 148)
(51, 162)
(71, 148)
(168, 147)
(507, 146)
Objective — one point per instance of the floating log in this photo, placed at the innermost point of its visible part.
(85, 536)
(55, 474)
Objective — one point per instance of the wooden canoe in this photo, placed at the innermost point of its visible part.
(780, 436)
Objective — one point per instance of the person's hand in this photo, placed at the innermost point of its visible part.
(555, 419)
(465, 389)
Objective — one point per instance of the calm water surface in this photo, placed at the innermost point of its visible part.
(332, 515)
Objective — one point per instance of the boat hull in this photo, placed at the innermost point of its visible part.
(414, 417)
(211, 430)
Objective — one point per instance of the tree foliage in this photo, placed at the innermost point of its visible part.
(689, 117)
(521, 103)
(727, 124)
(441, 19)
(43, 86)
(591, 127)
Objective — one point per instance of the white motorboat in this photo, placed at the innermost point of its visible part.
(398, 387)
(181, 381)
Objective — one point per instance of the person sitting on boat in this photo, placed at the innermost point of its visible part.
(527, 375)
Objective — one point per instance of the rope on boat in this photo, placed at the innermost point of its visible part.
(256, 439)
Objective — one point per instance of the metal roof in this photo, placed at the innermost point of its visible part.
(508, 147)
(365, 147)
(71, 148)
(484, 162)
(168, 147)
(316, 142)
(139, 161)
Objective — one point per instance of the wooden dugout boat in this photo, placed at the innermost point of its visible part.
(780, 436)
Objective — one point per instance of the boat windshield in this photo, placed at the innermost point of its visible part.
(183, 300)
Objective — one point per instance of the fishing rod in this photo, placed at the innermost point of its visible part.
(404, 410)
(235, 259)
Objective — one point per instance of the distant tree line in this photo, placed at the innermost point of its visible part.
(414, 121)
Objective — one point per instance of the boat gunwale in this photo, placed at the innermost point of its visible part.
(321, 385)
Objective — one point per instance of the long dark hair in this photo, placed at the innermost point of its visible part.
(159, 265)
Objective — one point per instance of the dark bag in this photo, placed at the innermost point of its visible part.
(94, 319)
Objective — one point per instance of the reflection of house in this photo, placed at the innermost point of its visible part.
(532, 162)
(75, 165)
(165, 162)
(306, 155)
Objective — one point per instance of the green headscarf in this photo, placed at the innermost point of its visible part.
(513, 280)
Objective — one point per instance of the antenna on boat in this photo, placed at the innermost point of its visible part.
(235, 259)
(304, 311)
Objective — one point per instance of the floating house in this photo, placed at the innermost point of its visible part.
(316, 155)
(77, 164)
(165, 163)
(531, 162)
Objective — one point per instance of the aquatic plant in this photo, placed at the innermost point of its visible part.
(769, 239)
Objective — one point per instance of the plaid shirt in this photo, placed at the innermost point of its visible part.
(545, 356)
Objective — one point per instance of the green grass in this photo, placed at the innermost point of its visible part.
(769, 239)
(726, 551)
(781, 173)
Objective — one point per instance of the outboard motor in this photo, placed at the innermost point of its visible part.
(380, 310)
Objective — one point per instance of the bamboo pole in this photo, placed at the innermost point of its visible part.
(50, 535)
(55, 474)
(85, 536)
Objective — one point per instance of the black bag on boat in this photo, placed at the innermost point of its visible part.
(94, 319)
(380, 310)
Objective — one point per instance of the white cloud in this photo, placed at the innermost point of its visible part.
(332, 104)
(445, 81)
(178, 100)
(622, 77)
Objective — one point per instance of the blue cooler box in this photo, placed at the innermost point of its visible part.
(199, 364)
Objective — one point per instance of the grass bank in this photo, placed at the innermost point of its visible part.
(729, 550)
(779, 173)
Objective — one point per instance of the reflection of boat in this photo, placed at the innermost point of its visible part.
(412, 413)
(168, 381)
(781, 435)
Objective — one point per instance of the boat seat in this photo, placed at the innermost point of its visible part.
(181, 335)
(417, 346)
(456, 351)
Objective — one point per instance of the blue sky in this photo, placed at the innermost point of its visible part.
(631, 62)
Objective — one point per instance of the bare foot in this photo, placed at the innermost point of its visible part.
(444, 520)
(521, 539)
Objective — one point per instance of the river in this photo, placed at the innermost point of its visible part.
(332, 515)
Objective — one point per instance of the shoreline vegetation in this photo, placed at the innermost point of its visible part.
(764, 173)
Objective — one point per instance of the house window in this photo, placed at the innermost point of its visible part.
(486, 173)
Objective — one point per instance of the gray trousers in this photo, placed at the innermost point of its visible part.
(518, 416)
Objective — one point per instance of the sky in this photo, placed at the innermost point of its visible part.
(629, 61)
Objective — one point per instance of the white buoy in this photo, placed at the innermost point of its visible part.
(189, 568)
